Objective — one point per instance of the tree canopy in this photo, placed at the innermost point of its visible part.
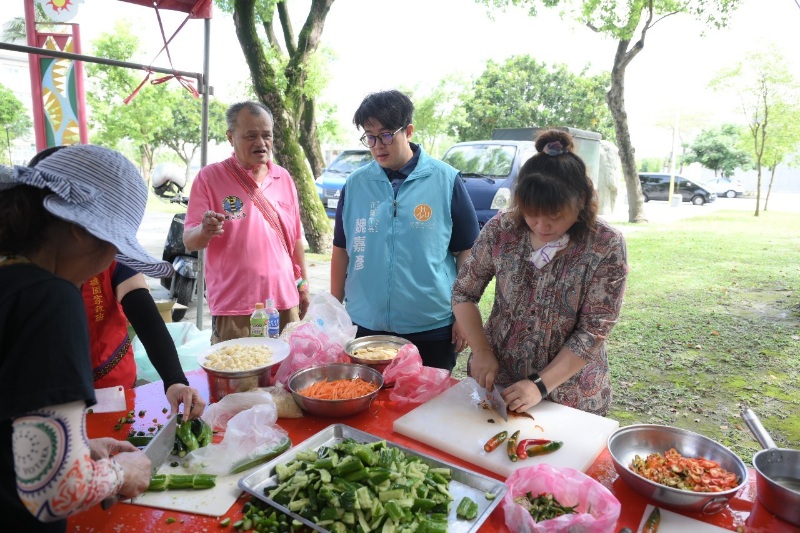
(13, 118)
(719, 149)
(628, 23)
(438, 114)
(111, 119)
(182, 133)
(524, 92)
(283, 76)
(768, 94)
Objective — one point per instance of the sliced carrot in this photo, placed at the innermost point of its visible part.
(339, 389)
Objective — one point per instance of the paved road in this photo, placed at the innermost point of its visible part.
(153, 232)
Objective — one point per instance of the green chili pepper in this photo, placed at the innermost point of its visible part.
(184, 432)
(651, 525)
(512, 446)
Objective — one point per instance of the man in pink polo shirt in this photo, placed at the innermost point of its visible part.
(244, 211)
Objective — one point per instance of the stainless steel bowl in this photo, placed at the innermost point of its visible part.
(644, 439)
(334, 408)
(224, 382)
(374, 341)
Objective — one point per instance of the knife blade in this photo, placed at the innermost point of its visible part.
(161, 446)
(498, 403)
(157, 450)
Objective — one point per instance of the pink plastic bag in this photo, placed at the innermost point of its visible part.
(414, 383)
(309, 347)
(598, 509)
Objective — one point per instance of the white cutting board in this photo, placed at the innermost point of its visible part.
(212, 502)
(676, 523)
(456, 423)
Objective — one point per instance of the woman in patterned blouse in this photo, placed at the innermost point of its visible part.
(560, 275)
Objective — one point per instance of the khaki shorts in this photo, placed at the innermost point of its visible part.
(224, 328)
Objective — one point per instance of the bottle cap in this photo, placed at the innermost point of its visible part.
(259, 305)
(270, 303)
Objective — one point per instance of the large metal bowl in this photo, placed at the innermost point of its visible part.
(374, 341)
(334, 408)
(644, 439)
(224, 382)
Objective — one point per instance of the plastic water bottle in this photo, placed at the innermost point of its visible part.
(274, 322)
(258, 321)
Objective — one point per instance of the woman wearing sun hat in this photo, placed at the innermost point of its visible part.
(63, 221)
(113, 298)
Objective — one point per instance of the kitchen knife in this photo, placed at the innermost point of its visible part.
(498, 403)
(157, 451)
(161, 446)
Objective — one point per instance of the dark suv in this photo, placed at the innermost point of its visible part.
(656, 187)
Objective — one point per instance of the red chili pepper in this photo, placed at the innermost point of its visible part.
(522, 447)
(495, 441)
(542, 449)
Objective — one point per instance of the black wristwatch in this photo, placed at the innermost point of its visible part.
(537, 379)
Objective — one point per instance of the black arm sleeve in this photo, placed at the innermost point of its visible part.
(143, 315)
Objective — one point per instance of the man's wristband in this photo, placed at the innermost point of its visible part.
(536, 378)
(302, 285)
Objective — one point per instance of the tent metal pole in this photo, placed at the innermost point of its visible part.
(201, 256)
(101, 60)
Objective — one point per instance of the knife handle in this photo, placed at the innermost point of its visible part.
(109, 502)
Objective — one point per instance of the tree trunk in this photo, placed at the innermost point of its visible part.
(771, 182)
(147, 163)
(288, 152)
(616, 104)
(309, 139)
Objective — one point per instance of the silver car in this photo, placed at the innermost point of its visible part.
(727, 187)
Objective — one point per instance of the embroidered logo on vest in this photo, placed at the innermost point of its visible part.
(423, 212)
(232, 205)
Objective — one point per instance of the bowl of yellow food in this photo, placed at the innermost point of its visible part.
(375, 351)
(239, 365)
(677, 468)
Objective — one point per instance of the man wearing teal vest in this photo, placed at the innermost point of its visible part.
(404, 225)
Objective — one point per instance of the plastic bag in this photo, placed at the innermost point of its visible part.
(189, 342)
(598, 509)
(330, 316)
(413, 382)
(218, 414)
(251, 437)
(309, 347)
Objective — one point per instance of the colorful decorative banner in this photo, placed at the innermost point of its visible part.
(60, 10)
(59, 95)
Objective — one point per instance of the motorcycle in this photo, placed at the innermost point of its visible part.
(183, 282)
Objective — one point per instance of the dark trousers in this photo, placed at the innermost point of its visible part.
(438, 353)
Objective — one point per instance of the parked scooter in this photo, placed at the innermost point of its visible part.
(183, 282)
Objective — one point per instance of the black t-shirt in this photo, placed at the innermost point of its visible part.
(44, 360)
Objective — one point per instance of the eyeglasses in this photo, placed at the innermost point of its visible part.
(386, 138)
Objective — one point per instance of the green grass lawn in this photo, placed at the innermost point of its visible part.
(710, 323)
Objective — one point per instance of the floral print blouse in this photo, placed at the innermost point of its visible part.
(574, 300)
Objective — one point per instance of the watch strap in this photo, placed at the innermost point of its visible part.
(537, 379)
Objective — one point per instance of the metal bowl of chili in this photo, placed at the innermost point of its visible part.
(350, 405)
(641, 440)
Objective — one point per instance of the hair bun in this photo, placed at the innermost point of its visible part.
(554, 142)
